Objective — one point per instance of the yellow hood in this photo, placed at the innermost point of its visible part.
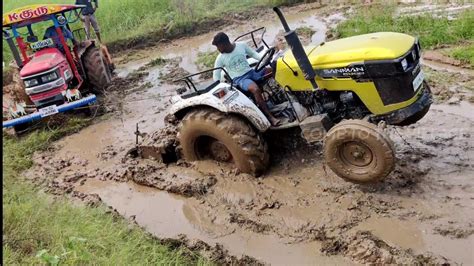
(356, 49)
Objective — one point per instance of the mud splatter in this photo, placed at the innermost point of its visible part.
(364, 247)
(455, 232)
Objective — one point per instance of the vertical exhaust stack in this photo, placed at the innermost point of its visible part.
(297, 48)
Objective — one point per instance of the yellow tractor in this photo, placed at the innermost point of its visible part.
(340, 92)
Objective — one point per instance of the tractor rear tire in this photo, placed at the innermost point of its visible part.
(359, 151)
(208, 133)
(97, 71)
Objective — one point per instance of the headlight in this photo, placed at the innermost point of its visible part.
(49, 77)
(404, 64)
(31, 82)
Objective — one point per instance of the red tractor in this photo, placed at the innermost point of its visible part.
(55, 74)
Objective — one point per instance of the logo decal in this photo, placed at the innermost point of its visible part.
(345, 71)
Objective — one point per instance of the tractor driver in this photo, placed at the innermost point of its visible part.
(52, 33)
(233, 58)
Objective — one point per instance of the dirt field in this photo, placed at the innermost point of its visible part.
(299, 212)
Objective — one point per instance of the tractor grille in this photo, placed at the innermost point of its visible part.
(394, 83)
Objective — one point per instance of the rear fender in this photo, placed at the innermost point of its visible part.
(83, 46)
(234, 102)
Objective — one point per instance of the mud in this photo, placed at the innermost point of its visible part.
(364, 247)
(299, 212)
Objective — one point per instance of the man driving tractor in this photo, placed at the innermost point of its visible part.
(233, 58)
(53, 34)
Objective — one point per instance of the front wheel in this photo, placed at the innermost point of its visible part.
(210, 134)
(359, 151)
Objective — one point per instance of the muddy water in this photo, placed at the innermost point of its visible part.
(166, 215)
(464, 109)
(448, 68)
(202, 43)
(299, 209)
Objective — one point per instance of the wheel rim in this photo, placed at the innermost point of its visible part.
(356, 154)
(208, 147)
(219, 151)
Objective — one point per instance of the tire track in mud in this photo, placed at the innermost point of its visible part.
(299, 212)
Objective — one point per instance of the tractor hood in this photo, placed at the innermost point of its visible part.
(357, 49)
(42, 61)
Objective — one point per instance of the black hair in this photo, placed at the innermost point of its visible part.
(220, 38)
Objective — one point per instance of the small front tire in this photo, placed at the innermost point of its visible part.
(359, 151)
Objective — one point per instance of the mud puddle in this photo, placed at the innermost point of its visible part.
(168, 216)
(440, 66)
(463, 108)
(299, 212)
(311, 18)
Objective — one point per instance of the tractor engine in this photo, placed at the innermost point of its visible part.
(46, 77)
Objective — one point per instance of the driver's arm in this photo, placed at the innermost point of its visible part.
(68, 35)
(217, 73)
(252, 53)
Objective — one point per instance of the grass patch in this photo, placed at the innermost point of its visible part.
(153, 63)
(206, 60)
(305, 31)
(464, 53)
(156, 62)
(40, 230)
(432, 31)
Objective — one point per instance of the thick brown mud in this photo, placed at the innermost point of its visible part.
(299, 212)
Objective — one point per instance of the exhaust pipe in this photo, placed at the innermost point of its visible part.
(297, 49)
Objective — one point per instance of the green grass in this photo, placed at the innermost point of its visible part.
(122, 21)
(38, 229)
(305, 31)
(432, 31)
(464, 53)
(206, 60)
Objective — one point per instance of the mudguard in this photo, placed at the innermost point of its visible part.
(233, 102)
(83, 46)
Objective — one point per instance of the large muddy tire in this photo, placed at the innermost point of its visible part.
(359, 151)
(210, 134)
(97, 71)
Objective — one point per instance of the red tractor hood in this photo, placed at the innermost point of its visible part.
(42, 61)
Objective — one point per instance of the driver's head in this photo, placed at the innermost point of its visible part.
(222, 42)
(280, 42)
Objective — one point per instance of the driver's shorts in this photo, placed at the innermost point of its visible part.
(248, 78)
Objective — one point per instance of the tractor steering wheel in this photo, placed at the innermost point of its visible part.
(265, 60)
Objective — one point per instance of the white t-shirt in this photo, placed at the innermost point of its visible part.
(235, 62)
